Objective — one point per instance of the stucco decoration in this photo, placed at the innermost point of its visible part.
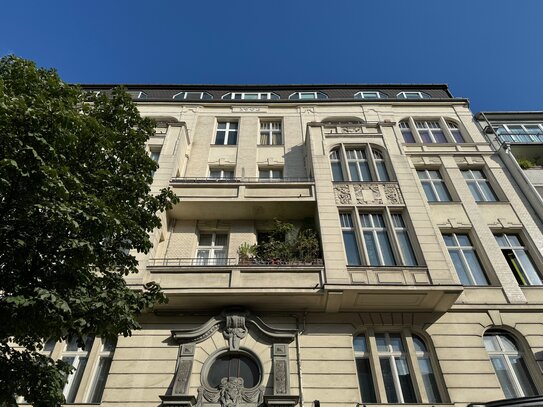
(376, 194)
(393, 195)
(230, 393)
(235, 329)
(343, 194)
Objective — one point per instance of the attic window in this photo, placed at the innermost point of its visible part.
(137, 94)
(412, 95)
(193, 95)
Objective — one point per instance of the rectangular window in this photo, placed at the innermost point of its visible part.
(430, 132)
(155, 154)
(518, 259)
(434, 186)
(465, 259)
(227, 133)
(455, 131)
(376, 240)
(335, 162)
(406, 248)
(270, 174)
(479, 186)
(271, 133)
(406, 132)
(98, 382)
(363, 368)
(212, 249)
(349, 239)
(357, 162)
(221, 173)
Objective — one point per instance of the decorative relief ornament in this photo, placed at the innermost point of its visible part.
(343, 194)
(235, 329)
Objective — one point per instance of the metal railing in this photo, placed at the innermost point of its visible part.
(230, 261)
(522, 138)
(212, 180)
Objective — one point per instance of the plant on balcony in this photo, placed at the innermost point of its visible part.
(285, 244)
(246, 252)
(525, 164)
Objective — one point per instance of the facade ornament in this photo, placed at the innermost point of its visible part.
(343, 194)
(393, 195)
(235, 329)
(230, 393)
(350, 130)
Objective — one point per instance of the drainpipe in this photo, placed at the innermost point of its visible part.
(298, 358)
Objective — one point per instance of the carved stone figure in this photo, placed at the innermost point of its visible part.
(343, 194)
(230, 391)
(235, 329)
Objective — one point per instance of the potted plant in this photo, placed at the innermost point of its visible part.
(246, 253)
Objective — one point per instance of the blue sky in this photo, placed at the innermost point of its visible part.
(490, 51)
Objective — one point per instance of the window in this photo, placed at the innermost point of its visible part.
(370, 95)
(518, 259)
(227, 133)
(412, 95)
(455, 132)
(434, 186)
(362, 164)
(520, 133)
(465, 259)
(383, 245)
(430, 132)
(271, 133)
(137, 94)
(193, 95)
(92, 363)
(406, 132)
(308, 95)
(394, 364)
(221, 173)
(212, 249)
(270, 173)
(155, 154)
(479, 186)
(251, 96)
(376, 240)
(509, 365)
(349, 239)
(233, 365)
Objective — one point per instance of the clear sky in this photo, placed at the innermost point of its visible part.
(490, 51)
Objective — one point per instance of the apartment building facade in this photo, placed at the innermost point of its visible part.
(426, 289)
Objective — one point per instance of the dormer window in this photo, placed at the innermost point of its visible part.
(308, 95)
(370, 95)
(251, 96)
(137, 94)
(193, 96)
(412, 95)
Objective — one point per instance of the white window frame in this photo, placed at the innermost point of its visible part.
(303, 95)
(430, 126)
(211, 259)
(137, 94)
(270, 132)
(456, 133)
(419, 95)
(366, 95)
(228, 132)
(222, 172)
(504, 354)
(451, 130)
(245, 96)
(530, 279)
(461, 252)
(410, 354)
(370, 158)
(477, 182)
(186, 93)
(406, 128)
(270, 172)
(431, 181)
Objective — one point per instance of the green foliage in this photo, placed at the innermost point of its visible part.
(246, 251)
(525, 164)
(74, 196)
(286, 244)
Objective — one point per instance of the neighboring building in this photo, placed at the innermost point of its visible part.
(518, 139)
(428, 289)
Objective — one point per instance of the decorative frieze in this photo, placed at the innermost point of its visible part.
(370, 193)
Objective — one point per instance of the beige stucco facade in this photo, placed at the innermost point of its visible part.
(298, 321)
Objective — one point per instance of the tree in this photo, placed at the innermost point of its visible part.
(74, 199)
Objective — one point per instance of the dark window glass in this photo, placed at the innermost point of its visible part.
(234, 365)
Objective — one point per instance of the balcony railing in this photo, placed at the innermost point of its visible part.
(211, 180)
(521, 138)
(227, 261)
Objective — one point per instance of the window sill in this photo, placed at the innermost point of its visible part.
(501, 201)
(224, 145)
(270, 145)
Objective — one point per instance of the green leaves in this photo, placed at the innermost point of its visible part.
(74, 196)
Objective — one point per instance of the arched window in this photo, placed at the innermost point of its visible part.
(234, 365)
(372, 94)
(386, 355)
(251, 96)
(361, 163)
(308, 95)
(509, 364)
(193, 96)
(413, 95)
(435, 130)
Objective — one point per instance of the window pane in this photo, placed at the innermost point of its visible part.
(527, 267)
(428, 190)
(396, 342)
(521, 373)
(365, 380)
(407, 249)
(371, 248)
(460, 268)
(386, 249)
(381, 342)
(97, 389)
(429, 380)
(249, 371)
(233, 138)
(70, 391)
(221, 239)
(382, 171)
(351, 248)
(488, 193)
(365, 171)
(353, 170)
(408, 136)
(405, 380)
(475, 192)
(475, 267)
(392, 396)
(439, 136)
(501, 372)
(220, 137)
(205, 239)
(337, 173)
(442, 192)
(359, 344)
(425, 136)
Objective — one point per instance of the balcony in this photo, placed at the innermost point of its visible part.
(228, 262)
(520, 138)
(243, 197)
